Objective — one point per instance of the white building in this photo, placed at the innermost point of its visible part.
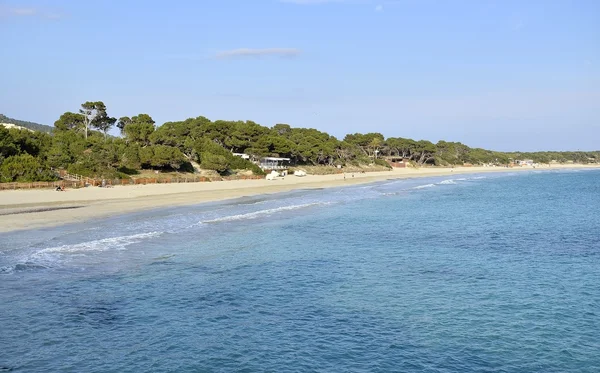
(274, 163)
(525, 162)
(242, 155)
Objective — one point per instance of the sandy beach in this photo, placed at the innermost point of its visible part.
(28, 209)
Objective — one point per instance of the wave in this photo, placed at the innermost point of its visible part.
(424, 186)
(112, 243)
(257, 214)
(23, 266)
(51, 257)
(447, 182)
(6, 270)
(248, 203)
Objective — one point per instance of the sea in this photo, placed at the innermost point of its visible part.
(496, 272)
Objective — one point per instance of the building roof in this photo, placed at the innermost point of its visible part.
(274, 159)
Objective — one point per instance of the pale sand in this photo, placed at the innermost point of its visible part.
(27, 209)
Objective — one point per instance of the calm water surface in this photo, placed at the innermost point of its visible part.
(486, 273)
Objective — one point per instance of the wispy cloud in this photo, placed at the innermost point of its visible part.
(28, 12)
(248, 52)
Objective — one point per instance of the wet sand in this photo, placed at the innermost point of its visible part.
(28, 209)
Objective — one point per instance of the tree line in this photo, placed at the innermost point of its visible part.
(80, 143)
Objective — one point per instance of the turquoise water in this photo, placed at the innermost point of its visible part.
(486, 273)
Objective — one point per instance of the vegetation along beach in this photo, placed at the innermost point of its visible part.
(198, 146)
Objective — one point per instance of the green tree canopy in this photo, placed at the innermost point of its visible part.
(139, 129)
(94, 113)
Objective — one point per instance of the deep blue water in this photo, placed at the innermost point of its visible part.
(485, 273)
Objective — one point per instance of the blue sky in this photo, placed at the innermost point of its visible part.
(505, 75)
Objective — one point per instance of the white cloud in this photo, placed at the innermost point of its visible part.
(248, 52)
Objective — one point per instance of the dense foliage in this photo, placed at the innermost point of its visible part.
(79, 144)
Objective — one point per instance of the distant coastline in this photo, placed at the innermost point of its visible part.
(30, 209)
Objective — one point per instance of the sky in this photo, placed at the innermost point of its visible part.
(498, 74)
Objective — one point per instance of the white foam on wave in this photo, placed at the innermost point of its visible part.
(447, 182)
(53, 257)
(260, 213)
(424, 186)
(479, 177)
(112, 243)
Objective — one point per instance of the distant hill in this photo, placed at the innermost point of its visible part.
(10, 125)
(29, 125)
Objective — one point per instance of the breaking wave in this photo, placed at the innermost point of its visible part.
(447, 182)
(112, 243)
(424, 186)
(52, 257)
(260, 213)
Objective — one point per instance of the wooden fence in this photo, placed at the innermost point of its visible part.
(113, 182)
(40, 185)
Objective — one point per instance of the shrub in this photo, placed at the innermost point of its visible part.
(24, 168)
(161, 156)
(237, 163)
(381, 162)
(215, 162)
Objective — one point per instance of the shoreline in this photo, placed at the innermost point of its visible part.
(32, 209)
